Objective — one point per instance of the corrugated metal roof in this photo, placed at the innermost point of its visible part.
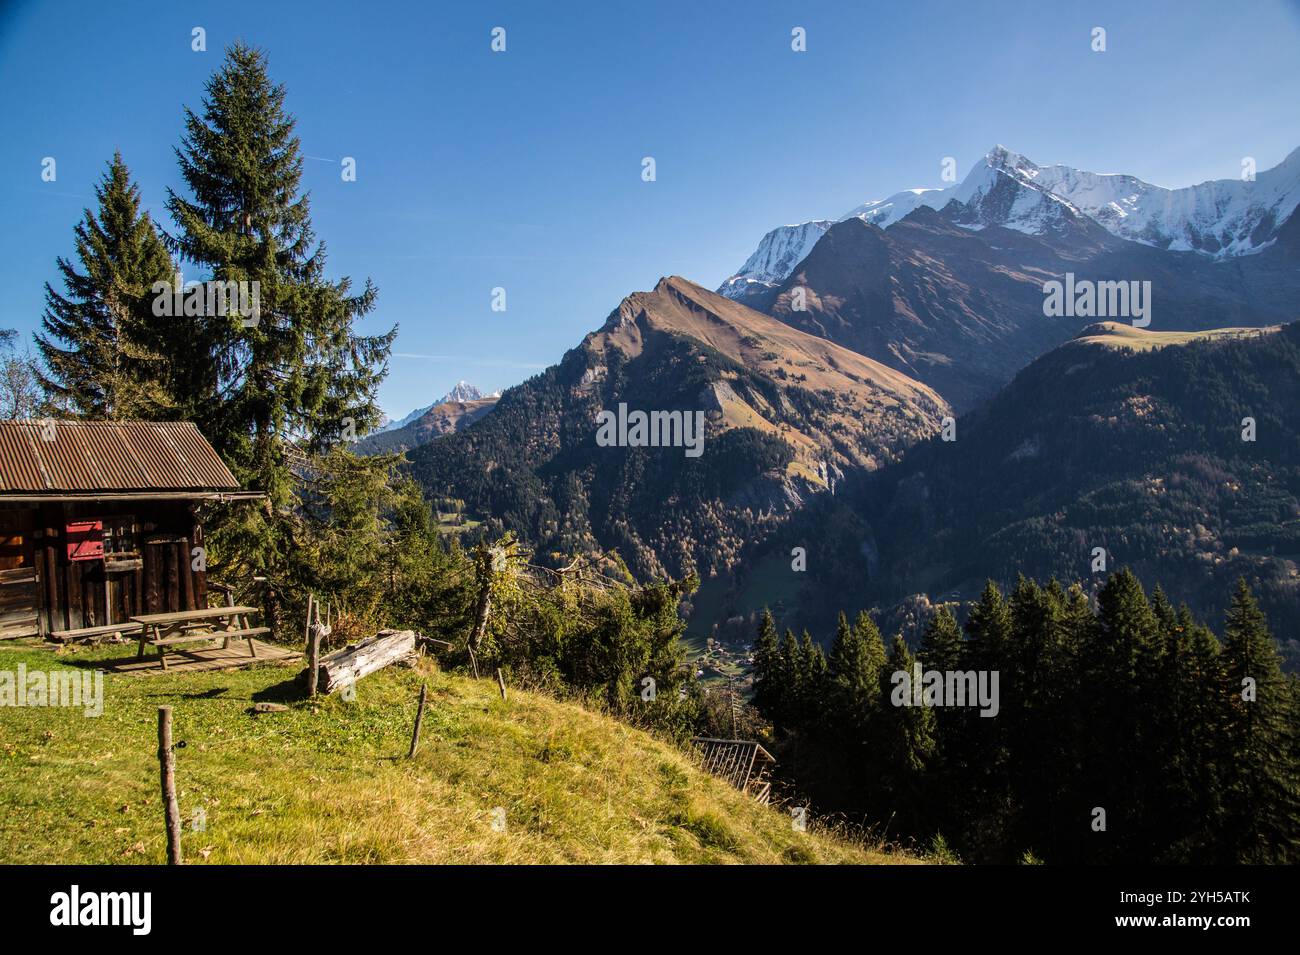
(108, 456)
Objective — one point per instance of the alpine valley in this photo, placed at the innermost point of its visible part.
(827, 365)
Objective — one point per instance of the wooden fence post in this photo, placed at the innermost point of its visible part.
(167, 764)
(483, 571)
(313, 649)
(306, 629)
(419, 719)
(501, 682)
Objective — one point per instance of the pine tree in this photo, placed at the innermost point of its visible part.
(874, 643)
(1121, 666)
(1262, 780)
(856, 659)
(812, 682)
(905, 738)
(988, 631)
(1187, 797)
(105, 354)
(941, 642)
(298, 374)
(789, 685)
(1078, 623)
(766, 663)
(1037, 716)
(941, 650)
(982, 741)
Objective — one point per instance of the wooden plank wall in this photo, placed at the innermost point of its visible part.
(75, 594)
(18, 595)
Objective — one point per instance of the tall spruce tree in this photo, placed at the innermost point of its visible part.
(854, 682)
(1122, 663)
(865, 628)
(766, 661)
(299, 375)
(1038, 716)
(1262, 819)
(105, 355)
(1186, 794)
(982, 741)
(301, 369)
(941, 641)
(789, 687)
(941, 650)
(905, 737)
(812, 682)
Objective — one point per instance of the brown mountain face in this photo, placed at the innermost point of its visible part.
(863, 412)
(448, 417)
(962, 309)
(785, 416)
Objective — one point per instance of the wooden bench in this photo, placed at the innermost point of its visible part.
(187, 638)
(65, 636)
(248, 633)
(193, 636)
(197, 626)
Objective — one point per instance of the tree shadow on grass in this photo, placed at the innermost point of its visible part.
(292, 690)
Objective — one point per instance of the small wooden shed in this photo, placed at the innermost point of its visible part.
(100, 521)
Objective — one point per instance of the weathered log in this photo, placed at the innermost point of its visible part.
(344, 667)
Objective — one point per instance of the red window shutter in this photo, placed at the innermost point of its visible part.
(85, 540)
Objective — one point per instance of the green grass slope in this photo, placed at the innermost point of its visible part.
(328, 782)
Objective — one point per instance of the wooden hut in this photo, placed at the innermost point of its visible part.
(100, 520)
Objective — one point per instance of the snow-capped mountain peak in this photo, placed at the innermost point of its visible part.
(777, 254)
(1013, 163)
(982, 178)
(460, 392)
(1221, 218)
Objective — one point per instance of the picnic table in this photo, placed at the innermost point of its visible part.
(163, 630)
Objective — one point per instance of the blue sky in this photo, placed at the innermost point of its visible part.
(523, 169)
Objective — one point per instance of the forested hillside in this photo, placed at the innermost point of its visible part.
(1118, 441)
(1114, 731)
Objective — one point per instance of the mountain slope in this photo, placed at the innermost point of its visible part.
(962, 309)
(786, 415)
(326, 781)
(1123, 439)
